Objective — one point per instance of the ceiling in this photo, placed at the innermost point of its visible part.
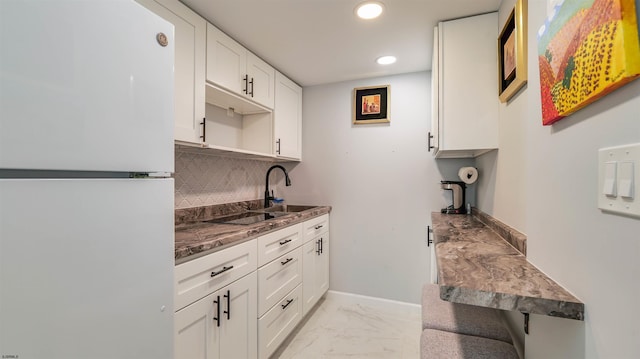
(322, 41)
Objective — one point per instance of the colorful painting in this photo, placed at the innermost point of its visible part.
(586, 49)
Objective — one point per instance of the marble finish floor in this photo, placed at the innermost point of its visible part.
(350, 326)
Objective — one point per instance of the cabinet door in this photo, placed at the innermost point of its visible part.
(238, 329)
(309, 258)
(322, 266)
(434, 135)
(196, 335)
(262, 78)
(469, 96)
(288, 118)
(189, 68)
(315, 271)
(226, 61)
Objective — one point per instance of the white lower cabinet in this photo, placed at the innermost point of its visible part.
(279, 322)
(244, 301)
(220, 325)
(315, 259)
(315, 271)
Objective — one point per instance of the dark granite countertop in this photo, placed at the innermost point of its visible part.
(195, 238)
(477, 266)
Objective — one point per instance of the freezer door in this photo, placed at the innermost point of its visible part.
(86, 268)
(85, 85)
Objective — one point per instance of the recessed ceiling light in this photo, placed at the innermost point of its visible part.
(369, 10)
(386, 60)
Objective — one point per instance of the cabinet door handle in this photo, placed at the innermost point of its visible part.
(318, 250)
(287, 261)
(217, 317)
(246, 84)
(429, 240)
(287, 304)
(204, 128)
(251, 82)
(321, 245)
(278, 146)
(282, 243)
(430, 147)
(228, 311)
(224, 269)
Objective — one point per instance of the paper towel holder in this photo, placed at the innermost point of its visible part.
(468, 175)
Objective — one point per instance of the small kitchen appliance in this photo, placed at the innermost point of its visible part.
(457, 197)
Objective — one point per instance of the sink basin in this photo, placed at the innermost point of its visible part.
(288, 208)
(247, 217)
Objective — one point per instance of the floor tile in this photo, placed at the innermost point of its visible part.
(348, 326)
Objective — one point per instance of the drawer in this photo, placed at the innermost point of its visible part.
(275, 244)
(315, 226)
(279, 322)
(202, 276)
(278, 278)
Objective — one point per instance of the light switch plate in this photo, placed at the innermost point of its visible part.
(618, 179)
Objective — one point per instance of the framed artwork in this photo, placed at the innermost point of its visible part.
(586, 49)
(512, 53)
(371, 104)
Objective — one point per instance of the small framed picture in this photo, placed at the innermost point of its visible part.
(512, 53)
(371, 104)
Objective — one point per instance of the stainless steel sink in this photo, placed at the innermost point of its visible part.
(288, 208)
(247, 217)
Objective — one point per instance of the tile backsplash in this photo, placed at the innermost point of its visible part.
(203, 179)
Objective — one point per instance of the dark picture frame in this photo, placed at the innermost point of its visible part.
(512, 53)
(371, 104)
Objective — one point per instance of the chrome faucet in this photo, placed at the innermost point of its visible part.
(267, 196)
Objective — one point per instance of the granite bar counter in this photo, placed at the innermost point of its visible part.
(194, 237)
(479, 267)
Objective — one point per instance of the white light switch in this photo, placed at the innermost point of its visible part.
(610, 172)
(626, 179)
(618, 177)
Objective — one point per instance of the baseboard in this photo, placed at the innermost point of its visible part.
(374, 301)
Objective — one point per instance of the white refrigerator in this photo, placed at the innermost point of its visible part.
(86, 194)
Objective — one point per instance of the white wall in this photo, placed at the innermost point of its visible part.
(544, 182)
(381, 182)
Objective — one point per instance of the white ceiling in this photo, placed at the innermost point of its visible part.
(322, 41)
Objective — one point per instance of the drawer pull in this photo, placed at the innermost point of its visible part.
(318, 226)
(282, 243)
(224, 269)
(287, 261)
(286, 305)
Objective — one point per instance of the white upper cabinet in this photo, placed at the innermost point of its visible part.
(226, 61)
(231, 66)
(261, 77)
(189, 67)
(465, 73)
(288, 118)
